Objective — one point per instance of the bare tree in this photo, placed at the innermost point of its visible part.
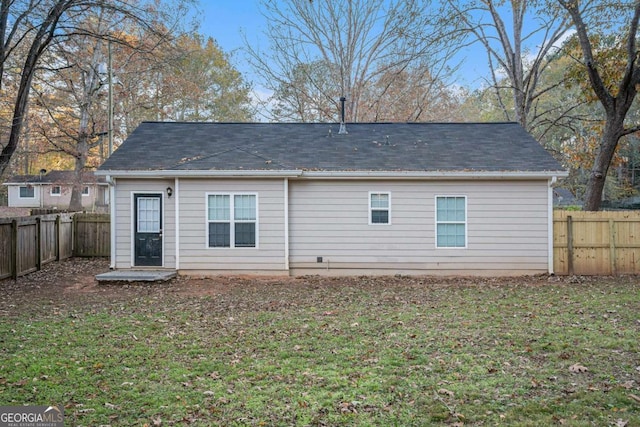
(33, 26)
(509, 50)
(359, 40)
(616, 92)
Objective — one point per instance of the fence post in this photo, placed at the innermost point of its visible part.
(570, 244)
(14, 248)
(58, 243)
(74, 234)
(38, 243)
(612, 247)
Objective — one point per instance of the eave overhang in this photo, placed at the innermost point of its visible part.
(302, 174)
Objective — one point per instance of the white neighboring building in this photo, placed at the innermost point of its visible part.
(53, 191)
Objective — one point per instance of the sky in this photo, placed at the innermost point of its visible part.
(227, 20)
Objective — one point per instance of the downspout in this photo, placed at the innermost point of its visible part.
(176, 195)
(286, 224)
(550, 223)
(112, 211)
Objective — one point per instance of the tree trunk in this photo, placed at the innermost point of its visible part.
(75, 204)
(608, 143)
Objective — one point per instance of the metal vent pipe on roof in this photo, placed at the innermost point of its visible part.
(343, 126)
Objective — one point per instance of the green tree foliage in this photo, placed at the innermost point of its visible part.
(201, 84)
(29, 28)
(613, 73)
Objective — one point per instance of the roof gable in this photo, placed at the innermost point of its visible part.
(450, 147)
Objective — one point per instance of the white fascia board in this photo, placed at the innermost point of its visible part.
(456, 175)
(432, 175)
(201, 173)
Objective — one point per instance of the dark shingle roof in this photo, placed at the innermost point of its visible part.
(504, 147)
(56, 177)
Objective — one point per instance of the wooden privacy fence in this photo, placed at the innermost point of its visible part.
(27, 243)
(92, 234)
(596, 243)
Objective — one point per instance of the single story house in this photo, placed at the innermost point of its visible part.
(52, 190)
(334, 199)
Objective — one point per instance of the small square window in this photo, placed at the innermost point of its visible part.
(379, 208)
(56, 190)
(85, 191)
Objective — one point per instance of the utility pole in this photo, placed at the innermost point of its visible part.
(110, 100)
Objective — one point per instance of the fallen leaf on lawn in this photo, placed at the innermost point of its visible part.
(445, 391)
(157, 421)
(634, 397)
(110, 405)
(578, 368)
(621, 423)
(627, 384)
(459, 416)
(209, 393)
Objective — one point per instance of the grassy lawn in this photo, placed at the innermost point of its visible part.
(332, 352)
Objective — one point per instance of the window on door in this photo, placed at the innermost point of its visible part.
(232, 220)
(148, 214)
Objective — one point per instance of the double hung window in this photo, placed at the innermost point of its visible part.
(232, 220)
(379, 208)
(451, 221)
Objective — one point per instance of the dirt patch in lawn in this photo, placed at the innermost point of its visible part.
(72, 284)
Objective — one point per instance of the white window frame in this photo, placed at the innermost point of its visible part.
(85, 187)
(27, 187)
(371, 208)
(437, 222)
(54, 194)
(232, 221)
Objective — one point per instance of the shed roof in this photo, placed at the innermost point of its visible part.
(377, 147)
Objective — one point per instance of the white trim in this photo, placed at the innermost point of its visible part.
(550, 223)
(87, 193)
(286, 224)
(52, 194)
(232, 220)
(112, 208)
(388, 193)
(296, 173)
(176, 195)
(430, 174)
(466, 221)
(200, 173)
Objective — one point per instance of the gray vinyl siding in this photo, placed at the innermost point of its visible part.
(507, 227)
(269, 255)
(125, 189)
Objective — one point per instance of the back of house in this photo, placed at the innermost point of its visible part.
(301, 198)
